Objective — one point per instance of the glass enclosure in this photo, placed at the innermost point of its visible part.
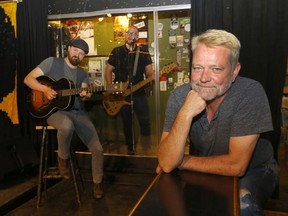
(167, 37)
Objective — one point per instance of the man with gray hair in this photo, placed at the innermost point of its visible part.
(225, 116)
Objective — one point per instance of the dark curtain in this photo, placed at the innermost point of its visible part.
(19, 54)
(261, 26)
(9, 125)
(32, 31)
(206, 14)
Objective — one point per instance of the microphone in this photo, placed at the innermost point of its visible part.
(133, 40)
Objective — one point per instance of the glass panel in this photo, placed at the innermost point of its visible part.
(174, 54)
(103, 33)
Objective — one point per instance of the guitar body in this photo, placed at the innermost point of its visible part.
(40, 107)
(113, 103)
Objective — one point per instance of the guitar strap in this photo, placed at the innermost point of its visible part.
(136, 61)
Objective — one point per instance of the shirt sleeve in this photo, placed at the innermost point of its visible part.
(252, 114)
(174, 104)
(112, 57)
(46, 65)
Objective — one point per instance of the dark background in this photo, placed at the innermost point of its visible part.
(261, 26)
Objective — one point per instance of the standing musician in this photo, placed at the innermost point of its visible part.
(76, 119)
(120, 64)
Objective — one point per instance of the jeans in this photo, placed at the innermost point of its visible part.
(66, 122)
(256, 187)
(141, 109)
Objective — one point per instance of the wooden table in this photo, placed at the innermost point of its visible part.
(182, 193)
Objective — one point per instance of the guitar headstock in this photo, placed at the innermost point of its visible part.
(169, 68)
(116, 88)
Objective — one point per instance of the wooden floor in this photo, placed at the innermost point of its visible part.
(281, 204)
(125, 183)
(274, 213)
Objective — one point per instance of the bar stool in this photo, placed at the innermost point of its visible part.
(49, 172)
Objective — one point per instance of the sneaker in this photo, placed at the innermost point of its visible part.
(98, 191)
(63, 167)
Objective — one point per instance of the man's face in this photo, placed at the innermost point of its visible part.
(211, 73)
(75, 55)
(131, 35)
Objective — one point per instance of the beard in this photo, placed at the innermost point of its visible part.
(214, 91)
(74, 60)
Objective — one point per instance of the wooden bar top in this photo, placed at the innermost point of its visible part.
(182, 193)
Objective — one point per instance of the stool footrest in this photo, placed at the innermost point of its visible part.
(52, 172)
(52, 176)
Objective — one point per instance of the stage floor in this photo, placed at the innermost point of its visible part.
(126, 179)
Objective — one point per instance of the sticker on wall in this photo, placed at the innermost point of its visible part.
(172, 41)
(187, 27)
(174, 24)
(180, 76)
(179, 57)
(179, 40)
(172, 38)
(185, 50)
(163, 82)
(186, 78)
(143, 34)
(171, 32)
(159, 30)
(140, 24)
(186, 41)
(181, 30)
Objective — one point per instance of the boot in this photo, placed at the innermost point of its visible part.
(98, 191)
(63, 167)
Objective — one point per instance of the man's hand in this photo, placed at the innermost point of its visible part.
(158, 169)
(49, 93)
(193, 105)
(85, 95)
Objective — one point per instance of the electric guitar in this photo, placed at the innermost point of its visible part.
(40, 107)
(113, 103)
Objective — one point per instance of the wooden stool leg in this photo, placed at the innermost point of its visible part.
(77, 169)
(46, 172)
(46, 168)
(40, 177)
(73, 171)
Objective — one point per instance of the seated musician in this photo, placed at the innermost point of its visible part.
(74, 119)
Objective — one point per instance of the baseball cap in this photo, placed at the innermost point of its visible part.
(80, 43)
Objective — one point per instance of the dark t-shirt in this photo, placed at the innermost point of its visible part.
(56, 68)
(245, 110)
(123, 62)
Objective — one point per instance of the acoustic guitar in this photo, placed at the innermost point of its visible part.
(40, 107)
(113, 103)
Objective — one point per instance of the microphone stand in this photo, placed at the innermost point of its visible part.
(130, 66)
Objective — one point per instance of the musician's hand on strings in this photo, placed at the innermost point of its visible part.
(85, 95)
(49, 93)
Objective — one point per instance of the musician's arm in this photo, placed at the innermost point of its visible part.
(31, 81)
(108, 73)
(149, 70)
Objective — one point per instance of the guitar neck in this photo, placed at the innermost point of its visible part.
(76, 91)
(137, 86)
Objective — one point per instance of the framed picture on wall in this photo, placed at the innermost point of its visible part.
(120, 27)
